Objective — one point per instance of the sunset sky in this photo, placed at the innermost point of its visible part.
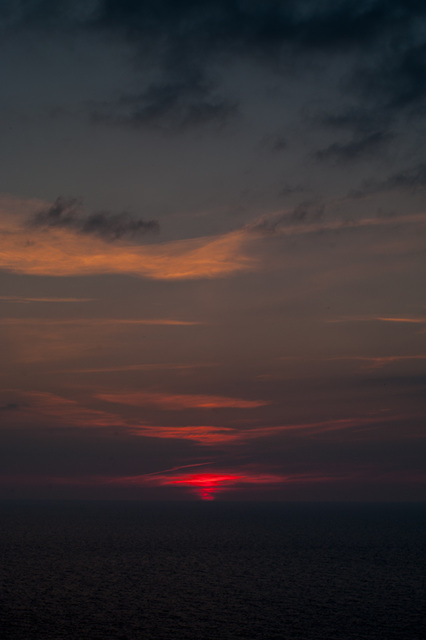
(212, 249)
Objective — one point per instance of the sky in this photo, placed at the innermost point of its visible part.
(212, 249)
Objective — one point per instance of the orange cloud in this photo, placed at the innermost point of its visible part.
(57, 411)
(64, 252)
(214, 435)
(403, 320)
(96, 322)
(179, 401)
(204, 435)
(408, 320)
(61, 252)
(53, 411)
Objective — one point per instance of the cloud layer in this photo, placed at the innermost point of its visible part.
(66, 214)
(190, 43)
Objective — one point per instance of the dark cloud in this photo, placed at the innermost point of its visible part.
(307, 212)
(167, 104)
(290, 189)
(47, 14)
(185, 40)
(304, 213)
(213, 24)
(200, 26)
(417, 382)
(357, 120)
(355, 149)
(397, 81)
(11, 406)
(278, 143)
(411, 179)
(389, 89)
(66, 214)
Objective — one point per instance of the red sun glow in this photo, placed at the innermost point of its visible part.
(206, 484)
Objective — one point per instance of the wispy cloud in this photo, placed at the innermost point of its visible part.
(25, 299)
(378, 362)
(408, 179)
(402, 320)
(395, 319)
(219, 435)
(215, 435)
(66, 214)
(97, 322)
(169, 402)
(164, 366)
(311, 220)
(56, 411)
(168, 104)
(358, 148)
(55, 339)
(22, 409)
(204, 435)
(304, 429)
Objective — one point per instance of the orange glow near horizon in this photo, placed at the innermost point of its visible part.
(206, 485)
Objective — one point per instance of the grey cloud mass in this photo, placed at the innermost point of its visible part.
(189, 42)
(307, 212)
(65, 213)
(356, 148)
(166, 104)
(410, 179)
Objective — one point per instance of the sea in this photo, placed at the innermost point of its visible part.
(212, 571)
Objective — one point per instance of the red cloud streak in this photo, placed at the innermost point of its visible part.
(179, 401)
(205, 485)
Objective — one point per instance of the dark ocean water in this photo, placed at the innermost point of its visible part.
(212, 571)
